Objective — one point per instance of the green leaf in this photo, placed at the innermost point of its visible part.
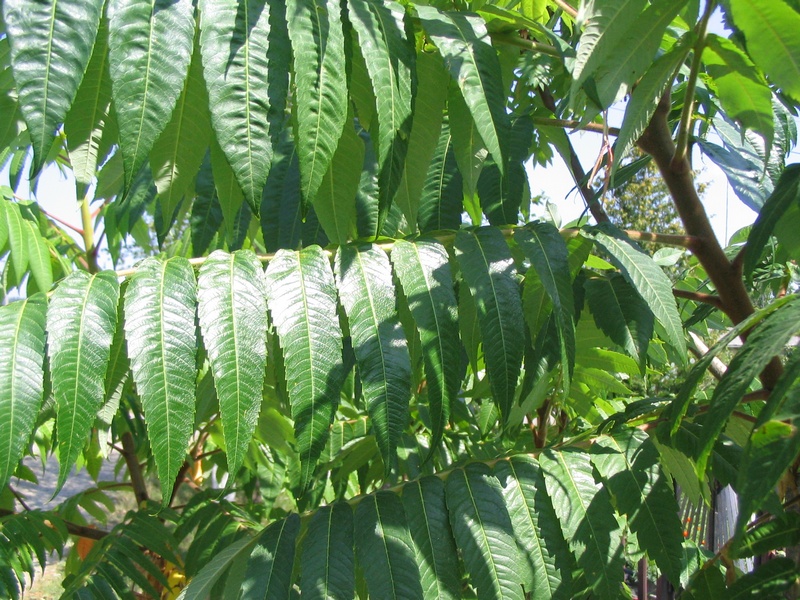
(17, 238)
(385, 549)
(424, 272)
(22, 331)
(647, 278)
(320, 107)
(206, 215)
(784, 196)
(781, 532)
(488, 269)
(440, 204)
(81, 322)
(770, 580)
(473, 64)
(232, 311)
(621, 314)
(770, 29)
(628, 463)
(363, 277)
(245, 63)
(51, 44)
(587, 519)
(179, 151)
(160, 331)
(707, 584)
(327, 562)
(150, 45)
(201, 584)
(765, 342)
(536, 528)
(302, 302)
(229, 192)
(426, 512)
(483, 532)
(389, 58)
(269, 568)
(470, 151)
(38, 256)
(425, 127)
(334, 203)
(545, 248)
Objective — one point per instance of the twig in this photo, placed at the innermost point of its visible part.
(711, 299)
(699, 348)
(72, 528)
(19, 498)
(566, 8)
(518, 42)
(574, 125)
(134, 469)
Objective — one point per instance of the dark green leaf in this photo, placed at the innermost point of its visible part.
(269, 568)
(206, 215)
(440, 203)
(781, 532)
(327, 563)
(770, 580)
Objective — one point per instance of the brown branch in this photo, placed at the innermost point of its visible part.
(511, 39)
(72, 528)
(699, 348)
(128, 452)
(711, 299)
(566, 8)
(574, 125)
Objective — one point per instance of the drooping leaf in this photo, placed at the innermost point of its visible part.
(424, 272)
(38, 256)
(232, 312)
(328, 557)
(770, 580)
(426, 513)
(473, 64)
(482, 529)
(469, 149)
(440, 204)
(587, 518)
(51, 44)
(363, 277)
(384, 548)
(201, 585)
(245, 62)
(81, 322)
(206, 216)
(628, 463)
(777, 533)
(488, 269)
(229, 192)
(536, 528)
(269, 568)
(302, 301)
(22, 331)
(281, 223)
(320, 106)
(647, 278)
(149, 49)
(160, 331)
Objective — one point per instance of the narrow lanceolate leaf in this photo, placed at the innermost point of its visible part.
(424, 272)
(51, 43)
(765, 342)
(229, 192)
(647, 277)
(320, 108)
(232, 311)
(150, 45)
(22, 326)
(201, 585)
(269, 568)
(38, 256)
(178, 153)
(628, 463)
(488, 269)
(547, 251)
(482, 529)
(473, 64)
(81, 322)
(245, 63)
(160, 331)
(389, 57)
(441, 199)
(328, 560)
(384, 548)
(770, 580)
(587, 519)
(302, 301)
(470, 150)
(426, 512)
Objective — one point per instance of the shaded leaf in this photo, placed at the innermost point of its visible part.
(269, 568)
(440, 201)
(328, 556)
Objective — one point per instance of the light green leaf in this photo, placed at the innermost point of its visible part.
(328, 559)
(536, 528)
(81, 322)
(770, 580)
(647, 278)
(470, 151)
(473, 64)
(770, 29)
(440, 204)
(160, 331)
(320, 107)
(426, 512)
(775, 534)
(201, 584)
(385, 549)
(38, 256)
(150, 45)
(587, 519)
(302, 301)
(364, 280)
(22, 334)
(424, 273)
(482, 529)
(488, 269)
(232, 311)
(628, 464)
(18, 234)
(51, 43)
(245, 63)
(269, 568)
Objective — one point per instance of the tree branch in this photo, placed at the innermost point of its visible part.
(566, 8)
(699, 297)
(128, 452)
(72, 528)
(575, 125)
